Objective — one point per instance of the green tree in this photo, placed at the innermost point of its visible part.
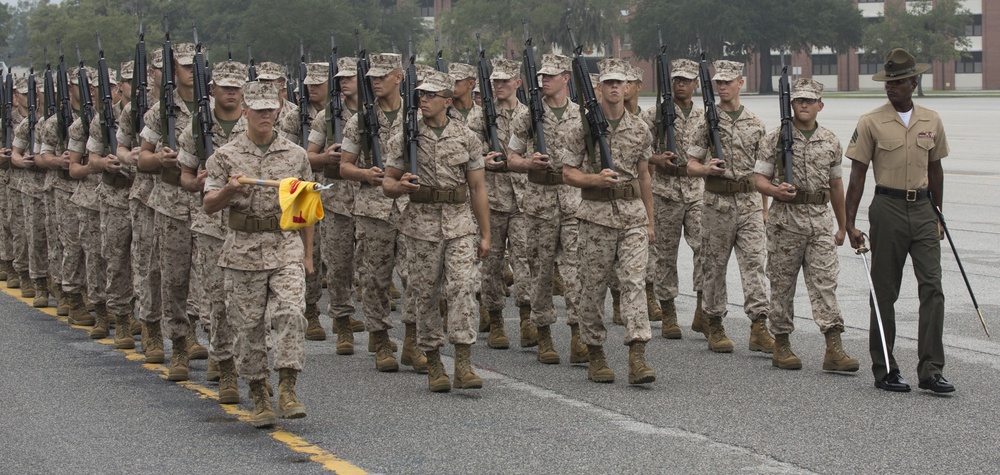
(6, 16)
(739, 28)
(929, 33)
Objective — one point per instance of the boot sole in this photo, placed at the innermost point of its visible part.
(845, 369)
(387, 368)
(155, 359)
(722, 348)
(199, 354)
(649, 378)
(62, 311)
(345, 350)
(316, 336)
(440, 387)
(602, 379)
(82, 323)
(500, 345)
(786, 365)
(762, 349)
(98, 335)
(674, 334)
(475, 384)
(529, 343)
(178, 376)
(125, 345)
(297, 412)
(40, 304)
(229, 398)
(264, 422)
(579, 359)
(548, 359)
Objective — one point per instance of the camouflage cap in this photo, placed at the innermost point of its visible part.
(268, 71)
(635, 74)
(229, 74)
(317, 73)
(504, 69)
(156, 58)
(595, 79)
(684, 68)
(113, 77)
(807, 88)
(184, 53)
(384, 63)
(613, 69)
(436, 81)
(461, 71)
(261, 95)
(347, 67)
(422, 71)
(553, 64)
(74, 78)
(21, 85)
(128, 70)
(727, 70)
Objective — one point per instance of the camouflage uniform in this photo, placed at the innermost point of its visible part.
(88, 200)
(799, 235)
(551, 215)
(441, 237)
(54, 184)
(16, 217)
(7, 174)
(32, 199)
(264, 271)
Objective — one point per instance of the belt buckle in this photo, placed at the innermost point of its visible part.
(911, 195)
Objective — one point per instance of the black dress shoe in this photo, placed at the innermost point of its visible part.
(938, 384)
(893, 382)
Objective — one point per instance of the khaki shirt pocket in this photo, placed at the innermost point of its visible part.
(889, 150)
(925, 143)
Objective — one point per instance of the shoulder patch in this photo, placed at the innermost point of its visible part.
(854, 138)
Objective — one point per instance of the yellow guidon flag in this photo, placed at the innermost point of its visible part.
(299, 200)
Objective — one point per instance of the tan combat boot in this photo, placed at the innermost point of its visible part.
(345, 337)
(27, 287)
(782, 357)
(384, 359)
(577, 350)
(13, 279)
(289, 406)
(437, 379)
(616, 308)
(263, 414)
(314, 331)
(179, 360)
(717, 339)
(497, 338)
(669, 329)
(123, 336)
(152, 344)
(4, 272)
(212, 371)
(394, 293)
(760, 338)
(357, 326)
(411, 356)
(78, 314)
(546, 352)
(101, 324)
(484, 319)
(529, 334)
(652, 305)
(229, 392)
(135, 326)
(465, 378)
(41, 293)
(195, 350)
(55, 289)
(700, 323)
(638, 371)
(598, 370)
(371, 344)
(835, 358)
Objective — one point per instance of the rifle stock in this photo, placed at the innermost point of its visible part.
(711, 113)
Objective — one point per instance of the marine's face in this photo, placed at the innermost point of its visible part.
(900, 90)
(683, 88)
(806, 110)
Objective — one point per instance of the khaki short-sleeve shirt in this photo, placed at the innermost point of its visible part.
(899, 154)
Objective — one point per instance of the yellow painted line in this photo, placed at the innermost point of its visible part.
(297, 444)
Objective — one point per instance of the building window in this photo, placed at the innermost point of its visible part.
(972, 64)
(976, 28)
(868, 65)
(426, 8)
(824, 64)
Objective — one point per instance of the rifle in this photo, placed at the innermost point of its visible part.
(293, 95)
(489, 108)
(666, 115)
(334, 106)
(141, 80)
(304, 119)
(65, 106)
(8, 109)
(202, 131)
(32, 109)
(439, 61)
(109, 127)
(49, 88)
(86, 102)
(595, 124)
(711, 114)
(368, 120)
(537, 129)
(785, 105)
(252, 72)
(522, 97)
(411, 102)
(168, 113)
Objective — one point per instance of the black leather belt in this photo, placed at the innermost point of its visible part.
(908, 195)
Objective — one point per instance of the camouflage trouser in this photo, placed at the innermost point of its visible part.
(6, 239)
(172, 239)
(613, 252)
(671, 217)
(552, 241)
(53, 244)
(19, 232)
(492, 293)
(378, 255)
(517, 240)
(116, 247)
(255, 300)
(817, 256)
(96, 266)
(213, 302)
(145, 263)
(449, 263)
(338, 252)
(74, 272)
(195, 295)
(38, 248)
(314, 282)
(741, 228)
